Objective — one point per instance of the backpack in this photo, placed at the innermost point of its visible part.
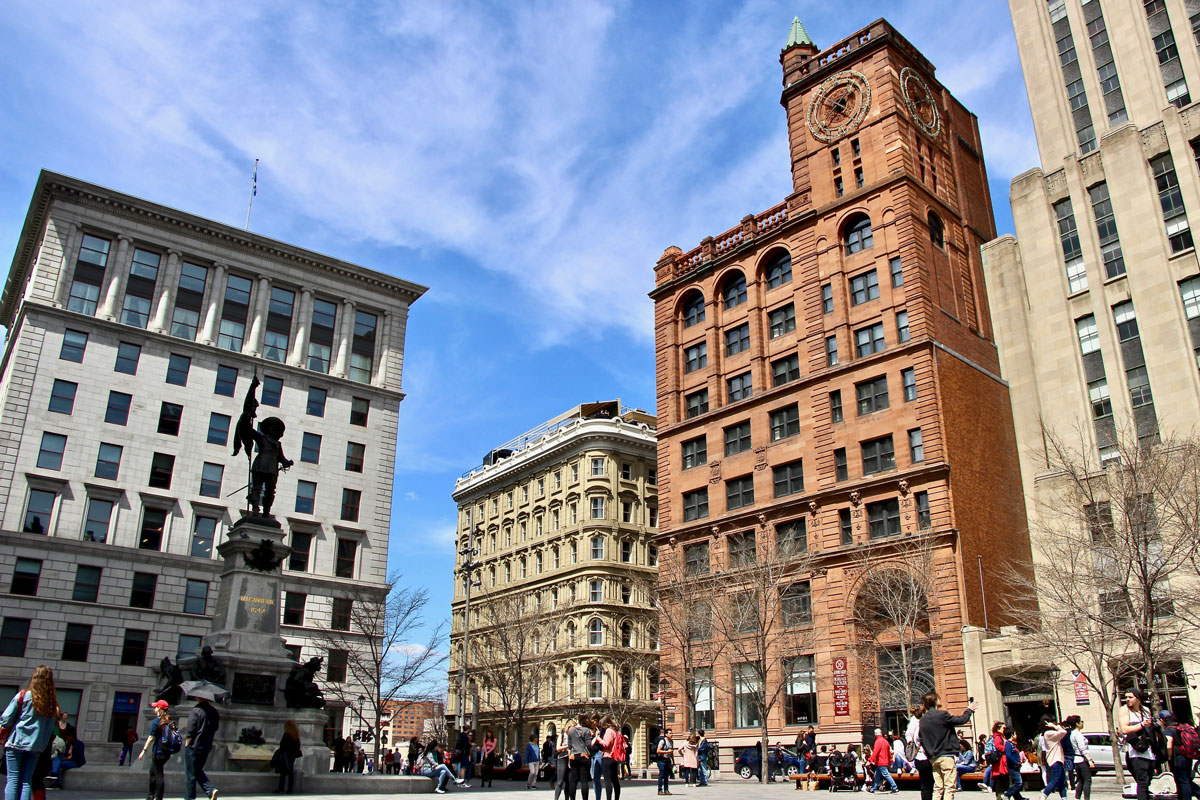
(1189, 741)
(704, 748)
(618, 751)
(991, 755)
(169, 741)
(662, 744)
(1068, 748)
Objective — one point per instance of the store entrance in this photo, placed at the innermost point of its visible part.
(1023, 716)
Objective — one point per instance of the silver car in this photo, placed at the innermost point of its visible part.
(1099, 749)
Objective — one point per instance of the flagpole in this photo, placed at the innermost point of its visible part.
(253, 191)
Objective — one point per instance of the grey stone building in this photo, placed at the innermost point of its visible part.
(134, 331)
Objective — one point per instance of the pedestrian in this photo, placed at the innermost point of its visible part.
(414, 755)
(900, 762)
(626, 767)
(994, 755)
(533, 759)
(1084, 767)
(664, 755)
(203, 721)
(818, 764)
(964, 763)
(1056, 768)
(433, 766)
(549, 761)
(289, 751)
(1134, 721)
(703, 751)
(881, 758)
(159, 745)
(939, 740)
(388, 760)
(127, 744)
(30, 719)
(596, 764)
(349, 756)
(463, 750)
(802, 750)
(689, 760)
(612, 753)
(579, 739)
(487, 766)
(1181, 740)
(1013, 758)
(912, 736)
(339, 759)
(69, 751)
(562, 764)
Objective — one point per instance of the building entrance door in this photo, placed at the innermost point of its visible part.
(1023, 717)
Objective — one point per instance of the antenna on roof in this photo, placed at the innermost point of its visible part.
(253, 191)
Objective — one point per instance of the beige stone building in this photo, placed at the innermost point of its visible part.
(562, 519)
(1096, 300)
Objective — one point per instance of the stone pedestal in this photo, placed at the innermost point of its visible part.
(245, 640)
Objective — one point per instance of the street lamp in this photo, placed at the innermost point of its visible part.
(1054, 672)
(468, 569)
(663, 683)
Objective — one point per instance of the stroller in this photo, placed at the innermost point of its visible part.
(841, 773)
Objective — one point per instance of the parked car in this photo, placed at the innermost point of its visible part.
(1099, 749)
(749, 764)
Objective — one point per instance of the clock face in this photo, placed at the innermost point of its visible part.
(839, 105)
(920, 102)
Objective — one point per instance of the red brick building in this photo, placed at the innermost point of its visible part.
(828, 366)
(404, 720)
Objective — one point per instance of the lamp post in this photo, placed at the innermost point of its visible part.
(1054, 672)
(663, 683)
(468, 569)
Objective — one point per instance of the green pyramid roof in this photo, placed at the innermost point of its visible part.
(798, 35)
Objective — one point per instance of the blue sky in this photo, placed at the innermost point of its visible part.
(528, 161)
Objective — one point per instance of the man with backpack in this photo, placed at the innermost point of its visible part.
(664, 756)
(1183, 749)
(703, 750)
(163, 742)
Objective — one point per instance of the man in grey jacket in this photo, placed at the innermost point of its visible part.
(939, 740)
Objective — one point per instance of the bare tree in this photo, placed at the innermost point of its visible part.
(891, 616)
(682, 600)
(378, 630)
(763, 613)
(1116, 551)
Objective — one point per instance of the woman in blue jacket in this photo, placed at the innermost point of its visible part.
(30, 719)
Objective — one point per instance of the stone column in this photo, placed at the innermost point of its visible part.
(302, 326)
(115, 275)
(383, 339)
(74, 236)
(167, 282)
(258, 319)
(346, 333)
(212, 313)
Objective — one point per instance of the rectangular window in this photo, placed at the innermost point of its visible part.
(908, 378)
(89, 275)
(195, 597)
(343, 608)
(695, 505)
(696, 559)
(272, 391)
(13, 635)
(737, 340)
(1106, 228)
(1139, 387)
(320, 336)
(883, 518)
(872, 395)
(1164, 47)
(835, 405)
(831, 351)
(279, 325)
(597, 467)
(696, 403)
(916, 446)
(785, 422)
(39, 511)
(845, 526)
(694, 452)
(310, 448)
(858, 177)
(902, 333)
(87, 584)
(1068, 237)
(743, 551)
(169, 417)
(785, 370)
(210, 479)
(139, 288)
(234, 311)
(204, 532)
(1098, 396)
(897, 271)
(293, 608)
(154, 521)
(141, 593)
(791, 538)
(869, 340)
(1089, 336)
(737, 438)
(362, 347)
(864, 287)
(351, 500)
(1076, 95)
(98, 520)
(783, 320)
(800, 692)
(133, 649)
(878, 455)
(827, 298)
(1171, 199)
(789, 478)
(796, 605)
(74, 344)
(128, 356)
(177, 369)
(739, 387)
(923, 519)
(316, 401)
(301, 548)
(62, 397)
(695, 357)
(335, 667)
(218, 428)
(739, 492)
(306, 497)
(50, 454)
(226, 381)
(1177, 93)
(1126, 321)
(355, 453)
(840, 470)
(162, 465)
(76, 642)
(839, 186)
(597, 508)
(26, 575)
(189, 645)
(189, 301)
(347, 552)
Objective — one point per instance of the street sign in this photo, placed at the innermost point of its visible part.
(670, 708)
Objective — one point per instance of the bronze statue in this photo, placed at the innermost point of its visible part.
(301, 690)
(262, 558)
(207, 668)
(264, 469)
(170, 676)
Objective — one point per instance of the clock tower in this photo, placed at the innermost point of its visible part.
(827, 376)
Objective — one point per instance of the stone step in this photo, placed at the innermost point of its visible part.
(134, 780)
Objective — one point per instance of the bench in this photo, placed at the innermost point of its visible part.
(822, 778)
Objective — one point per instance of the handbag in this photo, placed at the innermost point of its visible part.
(7, 730)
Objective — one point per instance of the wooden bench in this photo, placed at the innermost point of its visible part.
(822, 778)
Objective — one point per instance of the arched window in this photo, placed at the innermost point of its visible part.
(539, 563)
(570, 634)
(626, 683)
(734, 293)
(652, 635)
(537, 644)
(779, 268)
(595, 682)
(524, 569)
(858, 234)
(937, 231)
(492, 575)
(693, 309)
(596, 632)
(626, 634)
(507, 573)
(570, 681)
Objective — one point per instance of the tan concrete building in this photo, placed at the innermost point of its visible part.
(1096, 300)
(562, 518)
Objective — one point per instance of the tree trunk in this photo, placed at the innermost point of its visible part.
(764, 772)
